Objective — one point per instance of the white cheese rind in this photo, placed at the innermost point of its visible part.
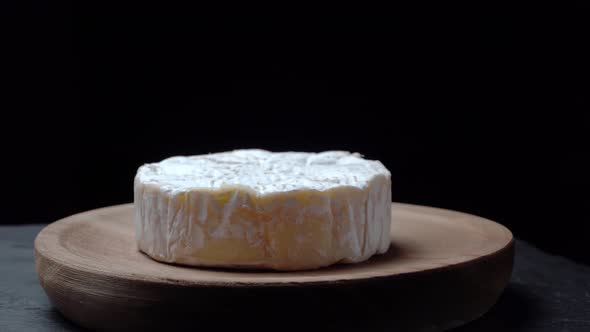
(257, 209)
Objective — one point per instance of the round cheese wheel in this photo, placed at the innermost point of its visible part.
(259, 209)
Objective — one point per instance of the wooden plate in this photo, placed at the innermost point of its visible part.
(444, 268)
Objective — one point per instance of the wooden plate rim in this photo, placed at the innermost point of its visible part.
(51, 234)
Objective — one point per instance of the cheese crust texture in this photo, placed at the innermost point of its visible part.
(261, 209)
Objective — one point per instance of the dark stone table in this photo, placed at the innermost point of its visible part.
(546, 293)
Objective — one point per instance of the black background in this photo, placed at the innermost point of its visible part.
(482, 109)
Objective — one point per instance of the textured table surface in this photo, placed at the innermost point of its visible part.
(546, 293)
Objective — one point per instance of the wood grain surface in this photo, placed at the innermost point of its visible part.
(443, 269)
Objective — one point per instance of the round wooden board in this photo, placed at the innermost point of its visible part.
(444, 268)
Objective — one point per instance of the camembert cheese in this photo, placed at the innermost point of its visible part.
(259, 209)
